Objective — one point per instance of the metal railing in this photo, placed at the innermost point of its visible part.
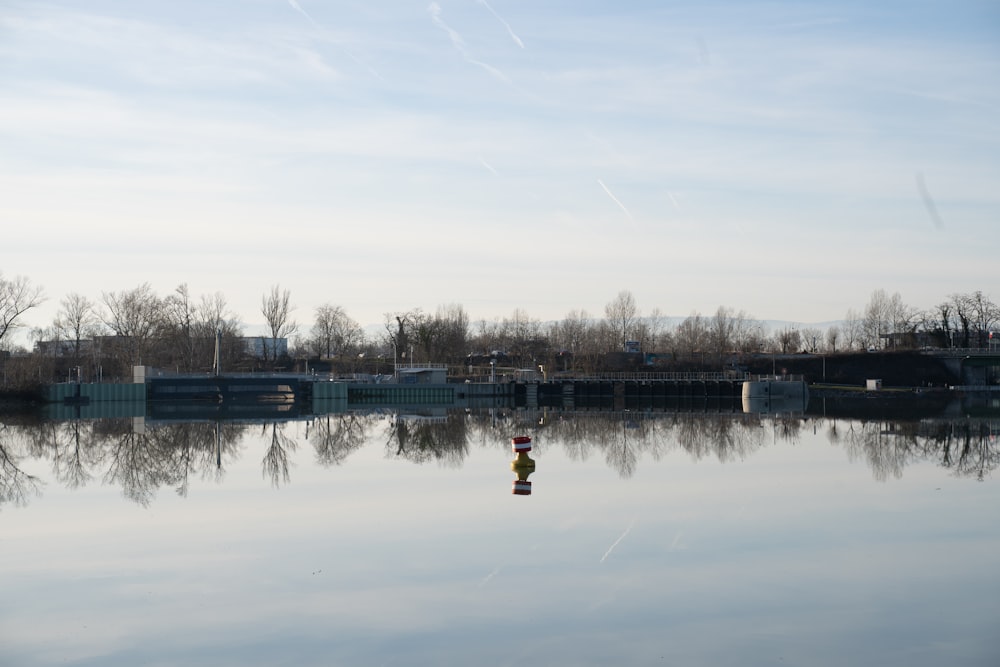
(653, 377)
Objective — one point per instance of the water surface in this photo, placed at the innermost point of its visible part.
(394, 539)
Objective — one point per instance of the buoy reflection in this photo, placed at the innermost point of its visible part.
(522, 465)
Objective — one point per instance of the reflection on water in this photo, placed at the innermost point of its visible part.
(722, 538)
(142, 457)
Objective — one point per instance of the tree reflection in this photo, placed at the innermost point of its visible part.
(967, 447)
(421, 438)
(195, 450)
(977, 455)
(68, 461)
(138, 466)
(142, 458)
(334, 437)
(16, 485)
(275, 462)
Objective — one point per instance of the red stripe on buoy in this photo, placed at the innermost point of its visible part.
(521, 488)
(521, 443)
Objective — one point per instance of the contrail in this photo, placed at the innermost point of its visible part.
(488, 166)
(620, 538)
(517, 40)
(614, 199)
(673, 201)
(434, 9)
(675, 545)
(928, 202)
(297, 7)
(488, 577)
(357, 61)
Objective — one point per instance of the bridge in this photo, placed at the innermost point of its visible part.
(975, 366)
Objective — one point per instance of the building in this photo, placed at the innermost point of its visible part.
(264, 347)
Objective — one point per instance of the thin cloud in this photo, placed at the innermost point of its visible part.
(615, 199)
(434, 9)
(510, 31)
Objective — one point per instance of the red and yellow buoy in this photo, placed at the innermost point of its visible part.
(522, 465)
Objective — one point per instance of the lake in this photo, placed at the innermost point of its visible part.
(394, 538)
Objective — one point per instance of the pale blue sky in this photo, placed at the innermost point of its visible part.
(774, 157)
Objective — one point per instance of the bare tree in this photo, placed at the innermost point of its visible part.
(17, 296)
(487, 335)
(179, 325)
(453, 332)
(877, 319)
(213, 315)
(691, 335)
(811, 339)
(853, 330)
(77, 320)
(521, 335)
(277, 308)
(334, 331)
(748, 333)
(984, 315)
(941, 319)
(832, 338)
(135, 316)
(789, 339)
(622, 314)
(570, 333)
(400, 332)
(654, 333)
(886, 317)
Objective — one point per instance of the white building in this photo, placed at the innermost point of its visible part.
(263, 347)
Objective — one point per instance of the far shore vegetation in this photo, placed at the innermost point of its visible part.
(103, 337)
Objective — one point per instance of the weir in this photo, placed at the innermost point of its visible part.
(264, 395)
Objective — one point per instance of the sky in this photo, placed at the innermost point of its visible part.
(780, 158)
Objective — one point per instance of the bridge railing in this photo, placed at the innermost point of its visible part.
(963, 351)
(650, 377)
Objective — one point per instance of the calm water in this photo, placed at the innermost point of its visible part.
(394, 539)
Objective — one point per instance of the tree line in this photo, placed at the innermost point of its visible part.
(178, 331)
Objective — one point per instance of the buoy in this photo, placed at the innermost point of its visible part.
(522, 465)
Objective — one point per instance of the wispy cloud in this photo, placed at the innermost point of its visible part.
(615, 199)
(434, 9)
(510, 31)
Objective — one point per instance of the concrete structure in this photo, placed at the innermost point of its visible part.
(775, 393)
